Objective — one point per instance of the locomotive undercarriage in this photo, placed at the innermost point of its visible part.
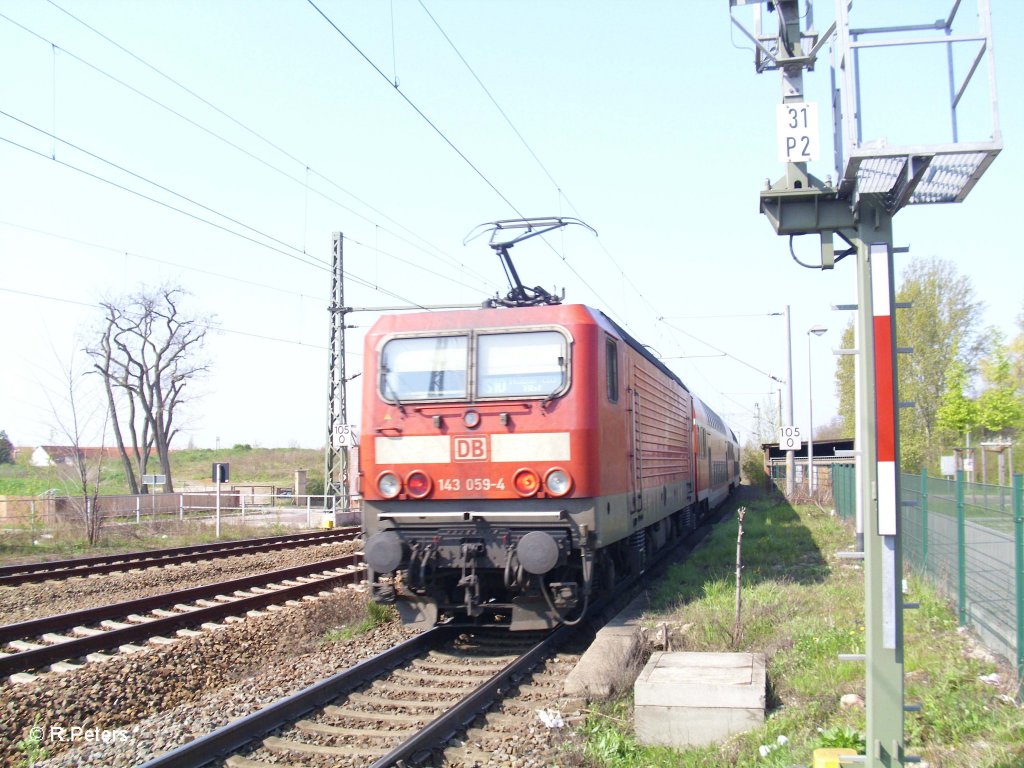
(524, 577)
(521, 575)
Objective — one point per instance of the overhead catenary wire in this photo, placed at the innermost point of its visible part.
(622, 272)
(719, 349)
(157, 201)
(166, 262)
(296, 254)
(417, 110)
(423, 245)
(214, 328)
(551, 178)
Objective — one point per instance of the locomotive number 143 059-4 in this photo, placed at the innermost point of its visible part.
(470, 484)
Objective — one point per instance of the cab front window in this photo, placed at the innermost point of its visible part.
(424, 368)
(521, 364)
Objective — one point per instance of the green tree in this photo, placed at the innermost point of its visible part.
(6, 449)
(845, 383)
(958, 413)
(1015, 353)
(941, 327)
(1000, 405)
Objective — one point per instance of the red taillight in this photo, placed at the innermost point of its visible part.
(526, 482)
(418, 484)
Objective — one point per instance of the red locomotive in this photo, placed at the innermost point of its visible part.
(515, 460)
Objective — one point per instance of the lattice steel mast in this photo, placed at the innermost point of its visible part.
(336, 453)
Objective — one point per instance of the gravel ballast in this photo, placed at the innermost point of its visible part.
(48, 598)
(148, 702)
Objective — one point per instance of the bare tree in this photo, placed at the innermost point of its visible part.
(148, 352)
(81, 467)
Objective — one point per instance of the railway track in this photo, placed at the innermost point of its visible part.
(37, 643)
(400, 707)
(12, 575)
(450, 696)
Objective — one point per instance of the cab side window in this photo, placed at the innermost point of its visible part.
(612, 369)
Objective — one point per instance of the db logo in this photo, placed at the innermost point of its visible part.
(471, 448)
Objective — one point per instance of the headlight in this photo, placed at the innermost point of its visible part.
(418, 484)
(558, 482)
(389, 485)
(526, 482)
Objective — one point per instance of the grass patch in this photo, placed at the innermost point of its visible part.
(802, 607)
(375, 615)
(23, 536)
(260, 466)
(24, 542)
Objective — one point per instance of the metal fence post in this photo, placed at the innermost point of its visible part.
(961, 552)
(924, 520)
(1018, 549)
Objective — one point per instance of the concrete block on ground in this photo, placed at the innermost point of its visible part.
(692, 699)
(611, 663)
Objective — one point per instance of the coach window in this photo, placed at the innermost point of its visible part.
(522, 364)
(612, 368)
(424, 368)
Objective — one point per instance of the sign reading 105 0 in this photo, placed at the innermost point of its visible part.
(797, 131)
(789, 438)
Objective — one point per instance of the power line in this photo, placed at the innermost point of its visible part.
(214, 328)
(121, 252)
(490, 96)
(433, 251)
(93, 155)
(318, 265)
(153, 199)
(558, 187)
(719, 349)
(417, 110)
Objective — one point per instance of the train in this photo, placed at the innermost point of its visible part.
(517, 461)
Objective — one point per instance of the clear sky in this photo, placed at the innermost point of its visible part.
(267, 130)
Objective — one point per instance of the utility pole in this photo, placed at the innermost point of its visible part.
(339, 433)
(874, 180)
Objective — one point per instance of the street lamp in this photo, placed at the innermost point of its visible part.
(817, 330)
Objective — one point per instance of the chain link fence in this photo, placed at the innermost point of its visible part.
(968, 540)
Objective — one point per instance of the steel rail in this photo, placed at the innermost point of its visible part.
(60, 569)
(458, 717)
(23, 630)
(220, 743)
(231, 737)
(78, 647)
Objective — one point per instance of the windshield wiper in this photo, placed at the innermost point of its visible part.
(558, 388)
(387, 386)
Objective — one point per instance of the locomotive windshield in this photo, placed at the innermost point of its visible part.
(513, 364)
(520, 364)
(424, 368)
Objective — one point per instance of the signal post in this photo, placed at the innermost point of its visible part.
(873, 182)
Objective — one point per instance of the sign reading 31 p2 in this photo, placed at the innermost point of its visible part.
(797, 131)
